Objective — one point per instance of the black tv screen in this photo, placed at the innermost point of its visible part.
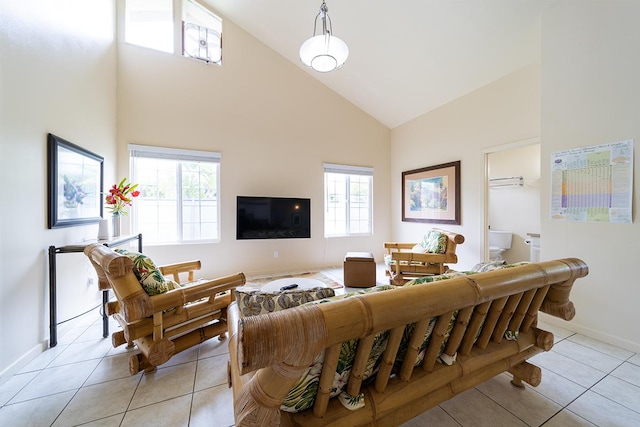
(273, 218)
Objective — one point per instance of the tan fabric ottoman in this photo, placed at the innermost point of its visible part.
(359, 270)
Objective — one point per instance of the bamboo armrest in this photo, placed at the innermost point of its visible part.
(418, 257)
(196, 291)
(398, 246)
(180, 267)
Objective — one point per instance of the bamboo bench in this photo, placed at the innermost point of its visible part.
(269, 352)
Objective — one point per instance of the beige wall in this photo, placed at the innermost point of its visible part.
(57, 74)
(503, 112)
(274, 125)
(590, 96)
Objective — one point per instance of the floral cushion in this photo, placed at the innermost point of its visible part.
(495, 265)
(303, 394)
(434, 242)
(254, 302)
(150, 278)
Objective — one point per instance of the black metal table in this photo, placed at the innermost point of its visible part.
(53, 251)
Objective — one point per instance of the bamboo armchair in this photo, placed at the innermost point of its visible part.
(164, 324)
(485, 322)
(404, 263)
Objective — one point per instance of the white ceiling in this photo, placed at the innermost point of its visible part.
(406, 57)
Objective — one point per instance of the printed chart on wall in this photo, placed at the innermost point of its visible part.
(593, 184)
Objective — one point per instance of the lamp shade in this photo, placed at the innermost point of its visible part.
(324, 53)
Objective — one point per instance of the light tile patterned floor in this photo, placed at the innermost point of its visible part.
(84, 381)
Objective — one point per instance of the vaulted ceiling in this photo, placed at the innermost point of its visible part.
(407, 57)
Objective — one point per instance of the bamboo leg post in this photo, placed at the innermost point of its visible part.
(112, 307)
(525, 371)
(138, 363)
(156, 352)
(118, 338)
(544, 340)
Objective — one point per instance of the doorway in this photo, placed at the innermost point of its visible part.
(512, 195)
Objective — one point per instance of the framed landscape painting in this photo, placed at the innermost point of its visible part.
(432, 194)
(75, 184)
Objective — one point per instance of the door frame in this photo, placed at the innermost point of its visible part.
(485, 200)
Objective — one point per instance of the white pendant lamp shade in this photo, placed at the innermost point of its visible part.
(324, 52)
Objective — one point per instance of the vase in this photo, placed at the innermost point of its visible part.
(115, 222)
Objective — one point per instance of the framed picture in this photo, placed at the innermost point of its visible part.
(75, 184)
(432, 194)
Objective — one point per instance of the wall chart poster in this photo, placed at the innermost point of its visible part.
(593, 184)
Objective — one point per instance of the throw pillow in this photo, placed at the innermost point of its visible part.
(434, 242)
(150, 278)
(419, 249)
(254, 302)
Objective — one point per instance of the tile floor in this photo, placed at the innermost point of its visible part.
(84, 381)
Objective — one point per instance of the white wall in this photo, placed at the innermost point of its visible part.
(503, 112)
(590, 95)
(57, 74)
(516, 209)
(274, 125)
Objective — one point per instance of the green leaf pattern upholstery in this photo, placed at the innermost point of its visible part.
(150, 278)
(254, 302)
(434, 242)
(303, 394)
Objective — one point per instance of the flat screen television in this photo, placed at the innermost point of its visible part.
(273, 218)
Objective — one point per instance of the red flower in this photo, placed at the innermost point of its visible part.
(118, 196)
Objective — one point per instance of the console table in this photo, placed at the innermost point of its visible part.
(53, 251)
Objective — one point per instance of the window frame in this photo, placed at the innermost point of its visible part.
(177, 155)
(179, 8)
(348, 171)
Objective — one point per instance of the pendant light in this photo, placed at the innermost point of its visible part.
(324, 52)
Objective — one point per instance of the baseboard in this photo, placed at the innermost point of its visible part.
(23, 361)
(592, 333)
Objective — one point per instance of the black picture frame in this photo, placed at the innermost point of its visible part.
(432, 194)
(75, 182)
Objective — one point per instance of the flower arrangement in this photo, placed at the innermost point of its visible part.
(120, 196)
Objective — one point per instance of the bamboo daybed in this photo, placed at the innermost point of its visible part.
(167, 323)
(487, 320)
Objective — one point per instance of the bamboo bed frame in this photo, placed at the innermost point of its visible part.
(269, 352)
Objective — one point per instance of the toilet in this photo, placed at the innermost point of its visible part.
(499, 241)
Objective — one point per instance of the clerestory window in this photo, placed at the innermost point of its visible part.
(152, 24)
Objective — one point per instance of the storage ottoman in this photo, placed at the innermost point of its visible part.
(359, 270)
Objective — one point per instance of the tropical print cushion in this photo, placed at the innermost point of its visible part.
(150, 278)
(434, 242)
(488, 266)
(254, 302)
(495, 265)
(303, 394)
(436, 278)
